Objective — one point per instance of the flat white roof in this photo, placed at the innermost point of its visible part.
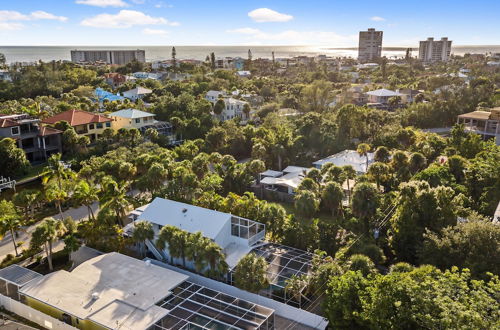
(127, 290)
(186, 217)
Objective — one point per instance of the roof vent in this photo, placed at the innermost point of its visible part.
(95, 295)
(184, 210)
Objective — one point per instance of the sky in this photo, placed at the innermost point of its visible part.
(278, 22)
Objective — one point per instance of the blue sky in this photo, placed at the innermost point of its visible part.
(278, 22)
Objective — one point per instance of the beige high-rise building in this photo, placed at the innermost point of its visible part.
(370, 45)
(432, 50)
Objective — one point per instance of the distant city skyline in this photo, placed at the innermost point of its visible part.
(280, 22)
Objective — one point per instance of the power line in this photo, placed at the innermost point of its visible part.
(387, 216)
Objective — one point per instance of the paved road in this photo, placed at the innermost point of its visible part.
(24, 235)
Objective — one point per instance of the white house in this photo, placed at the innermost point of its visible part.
(286, 181)
(347, 157)
(235, 235)
(244, 74)
(233, 108)
(381, 95)
(137, 93)
(213, 96)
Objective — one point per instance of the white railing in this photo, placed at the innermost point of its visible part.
(257, 237)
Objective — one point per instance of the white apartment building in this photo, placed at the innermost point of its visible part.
(370, 45)
(432, 50)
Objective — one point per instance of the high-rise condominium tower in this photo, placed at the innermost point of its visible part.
(370, 45)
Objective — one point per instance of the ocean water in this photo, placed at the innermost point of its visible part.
(49, 53)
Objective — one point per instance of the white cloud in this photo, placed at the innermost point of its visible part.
(9, 26)
(40, 14)
(155, 32)
(9, 19)
(103, 3)
(293, 37)
(262, 15)
(125, 19)
(246, 30)
(377, 19)
(10, 15)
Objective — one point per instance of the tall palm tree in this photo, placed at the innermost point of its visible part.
(216, 259)
(9, 222)
(166, 239)
(363, 150)
(45, 234)
(54, 194)
(57, 171)
(143, 231)
(114, 197)
(196, 250)
(350, 174)
(86, 194)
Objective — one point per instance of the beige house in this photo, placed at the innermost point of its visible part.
(484, 123)
(131, 118)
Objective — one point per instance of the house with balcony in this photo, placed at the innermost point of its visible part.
(37, 141)
(233, 109)
(484, 123)
(235, 235)
(84, 123)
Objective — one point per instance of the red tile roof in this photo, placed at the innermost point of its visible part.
(45, 131)
(77, 117)
(6, 122)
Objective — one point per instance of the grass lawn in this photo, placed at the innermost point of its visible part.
(33, 172)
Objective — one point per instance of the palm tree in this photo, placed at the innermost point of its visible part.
(46, 234)
(196, 250)
(379, 172)
(86, 194)
(54, 194)
(216, 259)
(9, 221)
(332, 196)
(57, 171)
(114, 197)
(166, 238)
(363, 150)
(350, 174)
(365, 202)
(306, 203)
(143, 231)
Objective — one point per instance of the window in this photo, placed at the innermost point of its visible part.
(15, 130)
(108, 124)
(99, 125)
(91, 126)
(137, 120)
